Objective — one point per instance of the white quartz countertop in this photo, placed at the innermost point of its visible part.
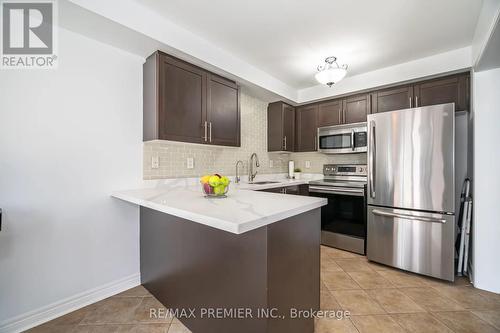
(243, 210)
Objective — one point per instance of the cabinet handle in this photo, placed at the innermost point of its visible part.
(205, 137)
(210, 127)
(416, 101)
(410, 102)
(340, 121)
(284, 143)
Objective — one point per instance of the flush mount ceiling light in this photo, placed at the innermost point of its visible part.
(330, 73)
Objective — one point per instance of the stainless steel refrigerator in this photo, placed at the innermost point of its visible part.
(411, 189)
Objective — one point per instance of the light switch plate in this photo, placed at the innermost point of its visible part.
(190, 163)
(308, 164)
(155, 162)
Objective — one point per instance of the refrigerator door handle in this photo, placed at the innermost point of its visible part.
(352, 140)
(408, 216)
(371, 159)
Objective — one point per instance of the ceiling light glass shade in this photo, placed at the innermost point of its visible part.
(330, 76)
(330, 72)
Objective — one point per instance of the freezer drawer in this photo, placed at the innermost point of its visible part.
(415, 241)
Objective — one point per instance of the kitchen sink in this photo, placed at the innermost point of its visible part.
(264, 183)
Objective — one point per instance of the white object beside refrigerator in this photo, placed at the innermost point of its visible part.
(411, 190)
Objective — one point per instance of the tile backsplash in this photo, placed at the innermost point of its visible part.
(173, 156)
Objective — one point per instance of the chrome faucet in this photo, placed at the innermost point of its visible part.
(237, 178)
(251, 174)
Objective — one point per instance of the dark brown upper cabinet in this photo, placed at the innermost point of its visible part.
(223, 111)
(392, 99)
(280, 127)
(356, 108)
(183, 102)
(307, 128)
(330, 113)
(453, 89)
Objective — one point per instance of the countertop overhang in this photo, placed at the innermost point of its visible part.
(243, 210)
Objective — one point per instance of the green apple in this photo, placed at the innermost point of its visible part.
(214, 181)
(224, 181)
(219, 190)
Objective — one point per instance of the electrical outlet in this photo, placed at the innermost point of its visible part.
(190, 163)
(308, 164)
(271, 163)
(155, 162)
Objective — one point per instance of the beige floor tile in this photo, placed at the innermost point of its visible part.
(50, 328)
(148, 328)
(328, 264)
(322, 286)
(178, 328)
(128, 328)
(328, 302)
(492, 297)
(354, 265)
(468, 297)
(376, 324)
(370, 280)
(464, 322)
(336, 253)
(379, 267)
(357, 302)
(460, 281)
(491, 317)
(114, 310)
(100, 329)
(431, 300)
(138, 291)
(338, 281)
(152, 311)
(402, 279)
(420, 323)
(332, 325)
(394, 301)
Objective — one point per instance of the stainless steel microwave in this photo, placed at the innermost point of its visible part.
(342, 139)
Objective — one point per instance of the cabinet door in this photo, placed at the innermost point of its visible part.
(356, 108)
(446, 90)
(288, 128)
(275, 127)
(182, 101)
(223, 112)
(392, 99)
(274, 190)
(330, 113)
(307, 126)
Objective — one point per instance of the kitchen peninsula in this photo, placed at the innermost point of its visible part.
(252, 250)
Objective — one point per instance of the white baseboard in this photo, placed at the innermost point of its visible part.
(46, 313)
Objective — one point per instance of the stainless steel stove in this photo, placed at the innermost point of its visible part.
(343, 220)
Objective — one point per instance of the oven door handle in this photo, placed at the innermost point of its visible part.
(337, 190)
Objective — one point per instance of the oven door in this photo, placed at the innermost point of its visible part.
(342, 139)
(343, 219)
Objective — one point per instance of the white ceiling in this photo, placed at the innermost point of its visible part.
(289, 38)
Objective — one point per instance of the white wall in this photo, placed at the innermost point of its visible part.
(488, 16)
(68, 138)
(486, 180)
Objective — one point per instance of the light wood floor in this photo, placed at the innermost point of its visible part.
(379, 299)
